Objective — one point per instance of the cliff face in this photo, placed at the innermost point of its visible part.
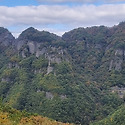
(103, 41)
(66, 78)
(34, 42)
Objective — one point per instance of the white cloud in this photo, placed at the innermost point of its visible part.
(81, 1)
(68, 17)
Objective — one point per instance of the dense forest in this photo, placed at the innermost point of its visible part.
(77, 78)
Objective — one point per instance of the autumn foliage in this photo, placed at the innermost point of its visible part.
(9, 116)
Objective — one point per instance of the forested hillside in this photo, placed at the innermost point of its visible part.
(10, 116)
(77, 78)
(117, 118)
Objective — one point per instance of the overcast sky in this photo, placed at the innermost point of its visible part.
(59, 16)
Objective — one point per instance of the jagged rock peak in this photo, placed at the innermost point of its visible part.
(6, 38)
(33, 34)
(3, 30)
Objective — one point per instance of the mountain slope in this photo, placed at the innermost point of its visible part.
(76, 78)
(117, 118)
(10, 116)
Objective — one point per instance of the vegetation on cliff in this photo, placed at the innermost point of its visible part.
(69, 78)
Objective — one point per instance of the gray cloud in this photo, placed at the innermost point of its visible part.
(61, 17)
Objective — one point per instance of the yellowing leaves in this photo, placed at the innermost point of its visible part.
(38, 120)
(111, 119)
(4, 119)
(10, 116)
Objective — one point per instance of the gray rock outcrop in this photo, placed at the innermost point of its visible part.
(49, 95)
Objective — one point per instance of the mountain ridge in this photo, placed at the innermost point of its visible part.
(70, 78)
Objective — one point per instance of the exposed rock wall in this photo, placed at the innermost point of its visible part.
(117, 60)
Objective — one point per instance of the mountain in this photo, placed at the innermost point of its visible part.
(6, 38)
(39, 36)
(77, 78)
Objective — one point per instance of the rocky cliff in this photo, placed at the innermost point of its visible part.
(68, 78)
